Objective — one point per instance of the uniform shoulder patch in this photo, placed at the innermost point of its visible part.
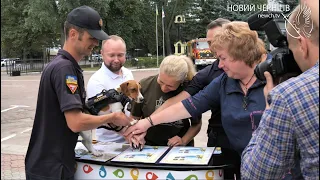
(72, 83)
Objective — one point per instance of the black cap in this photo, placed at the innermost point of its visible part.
(88, 18)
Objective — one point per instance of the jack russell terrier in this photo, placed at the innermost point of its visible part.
(130, 90)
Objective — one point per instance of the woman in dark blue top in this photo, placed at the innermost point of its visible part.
(240, 112)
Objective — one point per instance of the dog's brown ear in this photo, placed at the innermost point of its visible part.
(124, 87)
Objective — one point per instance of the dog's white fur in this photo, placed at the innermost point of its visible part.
(131, 89)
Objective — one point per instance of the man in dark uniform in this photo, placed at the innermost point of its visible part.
(59, 114)
(216, 134)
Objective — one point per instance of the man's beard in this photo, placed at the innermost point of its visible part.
(114, 68)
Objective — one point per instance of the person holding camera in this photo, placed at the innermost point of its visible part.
(237, 91)
(289, 128)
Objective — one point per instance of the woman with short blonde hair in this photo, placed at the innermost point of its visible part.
(180, 67)
(243, 44)
(175, 73)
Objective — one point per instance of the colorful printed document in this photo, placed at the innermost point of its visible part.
(149, 154)
(188, 155)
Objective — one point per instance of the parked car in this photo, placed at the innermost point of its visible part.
(96, 57)
(5, 62)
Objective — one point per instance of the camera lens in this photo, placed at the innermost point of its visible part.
(261, 68)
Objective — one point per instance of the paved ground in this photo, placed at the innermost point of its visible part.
(18, 103)
(12, 166)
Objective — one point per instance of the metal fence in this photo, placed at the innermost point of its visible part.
(16, 67)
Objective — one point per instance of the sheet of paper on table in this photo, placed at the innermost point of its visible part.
(109, 150)
(188, 155)
(149, 154)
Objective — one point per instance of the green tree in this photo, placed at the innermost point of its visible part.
(202, 12)
(171, 9)
(46, 18)
(31, 25)
(124, 19)
(145, 38)
(15, 39)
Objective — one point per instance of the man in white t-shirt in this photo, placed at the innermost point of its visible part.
(110, 76)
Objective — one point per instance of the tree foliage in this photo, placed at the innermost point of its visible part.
(124, 19)
(292, 3)
(13, 32)
(29, 26)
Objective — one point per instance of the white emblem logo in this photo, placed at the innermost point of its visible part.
(302, 24)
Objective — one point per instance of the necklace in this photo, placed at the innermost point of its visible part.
(245, 85)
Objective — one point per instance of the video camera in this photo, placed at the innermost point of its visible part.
(282, 61)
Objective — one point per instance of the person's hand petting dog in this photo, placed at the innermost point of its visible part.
(175, 141)
(268, 87)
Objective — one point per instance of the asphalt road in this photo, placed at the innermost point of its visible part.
(18, 104)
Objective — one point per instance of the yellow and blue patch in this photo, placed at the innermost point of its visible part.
(72, 83)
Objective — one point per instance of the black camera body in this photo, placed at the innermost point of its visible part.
(282, 61)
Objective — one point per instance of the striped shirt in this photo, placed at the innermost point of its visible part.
(287, 130)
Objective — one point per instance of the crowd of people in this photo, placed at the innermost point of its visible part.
(265, 130)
